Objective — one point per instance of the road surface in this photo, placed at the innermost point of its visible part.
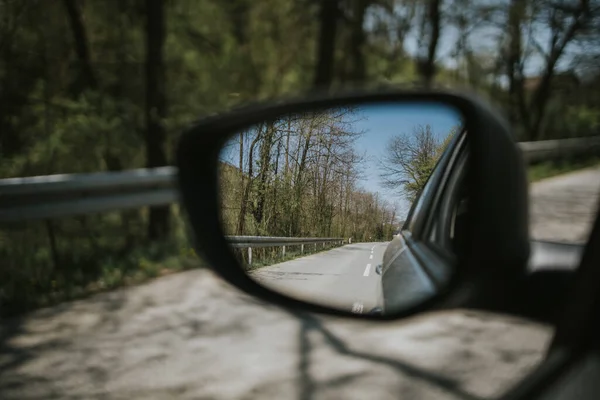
(344, 277)
(563, 207)
(192, 336)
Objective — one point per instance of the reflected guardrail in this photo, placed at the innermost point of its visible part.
(251, 242)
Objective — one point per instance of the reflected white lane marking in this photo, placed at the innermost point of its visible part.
(357, 308)
(371, 257)
(367, 270)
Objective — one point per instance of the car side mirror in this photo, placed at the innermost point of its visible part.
(274, 192)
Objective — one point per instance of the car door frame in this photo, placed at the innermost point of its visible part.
(419, 216)
(434, 268)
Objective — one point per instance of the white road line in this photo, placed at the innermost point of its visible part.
(371, 257)
(372, 247)
(357, 308)
(367, 270)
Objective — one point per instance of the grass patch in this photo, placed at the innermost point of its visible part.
(143, 263)
(20, 293)
(49, 262)
(549, 169)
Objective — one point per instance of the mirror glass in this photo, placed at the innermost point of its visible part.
(356, 207)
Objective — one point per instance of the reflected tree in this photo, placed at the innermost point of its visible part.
(410, 159)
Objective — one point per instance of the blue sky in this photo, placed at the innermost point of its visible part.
(383, 121)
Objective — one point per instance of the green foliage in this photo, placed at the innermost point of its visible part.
(65, 110)
(571, 120)
(57, 118)
(52, 261)
(552, 168)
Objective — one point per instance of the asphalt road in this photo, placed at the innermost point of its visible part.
(563, 207)
(343, 277)
(192, 336)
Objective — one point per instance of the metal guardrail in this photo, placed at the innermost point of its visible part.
(55, 196)
(553, 149)
(250, 242)
(274, 241)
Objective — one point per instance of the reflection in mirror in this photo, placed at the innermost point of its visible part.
(318, 205)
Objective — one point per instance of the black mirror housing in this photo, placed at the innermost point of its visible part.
(496, 228)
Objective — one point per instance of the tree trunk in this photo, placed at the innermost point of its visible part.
(539, 103)
(287, 148)
(87, 77)
(543, 91)
(274, 220)
(299, 185)
(238, 12)
(328, 19)
(265, 163)
(357, 41)
(158, 224)
(53, 246)
(517, 108)
(246, 194)
(430, 29)
(241, 171)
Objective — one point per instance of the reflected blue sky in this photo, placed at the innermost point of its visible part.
(383, 121)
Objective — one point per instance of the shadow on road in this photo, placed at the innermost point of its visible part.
(192, 336)
(354, 247)
(308, 388)
(22, 343)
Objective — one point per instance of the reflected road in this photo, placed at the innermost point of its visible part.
(344, 277)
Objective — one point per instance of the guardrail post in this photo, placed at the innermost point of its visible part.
(249, 255)
(283, 251)
(349, 240)
(302, 248)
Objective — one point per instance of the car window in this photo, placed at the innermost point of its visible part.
(421, 208)
(450, 174)
(450, 209)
